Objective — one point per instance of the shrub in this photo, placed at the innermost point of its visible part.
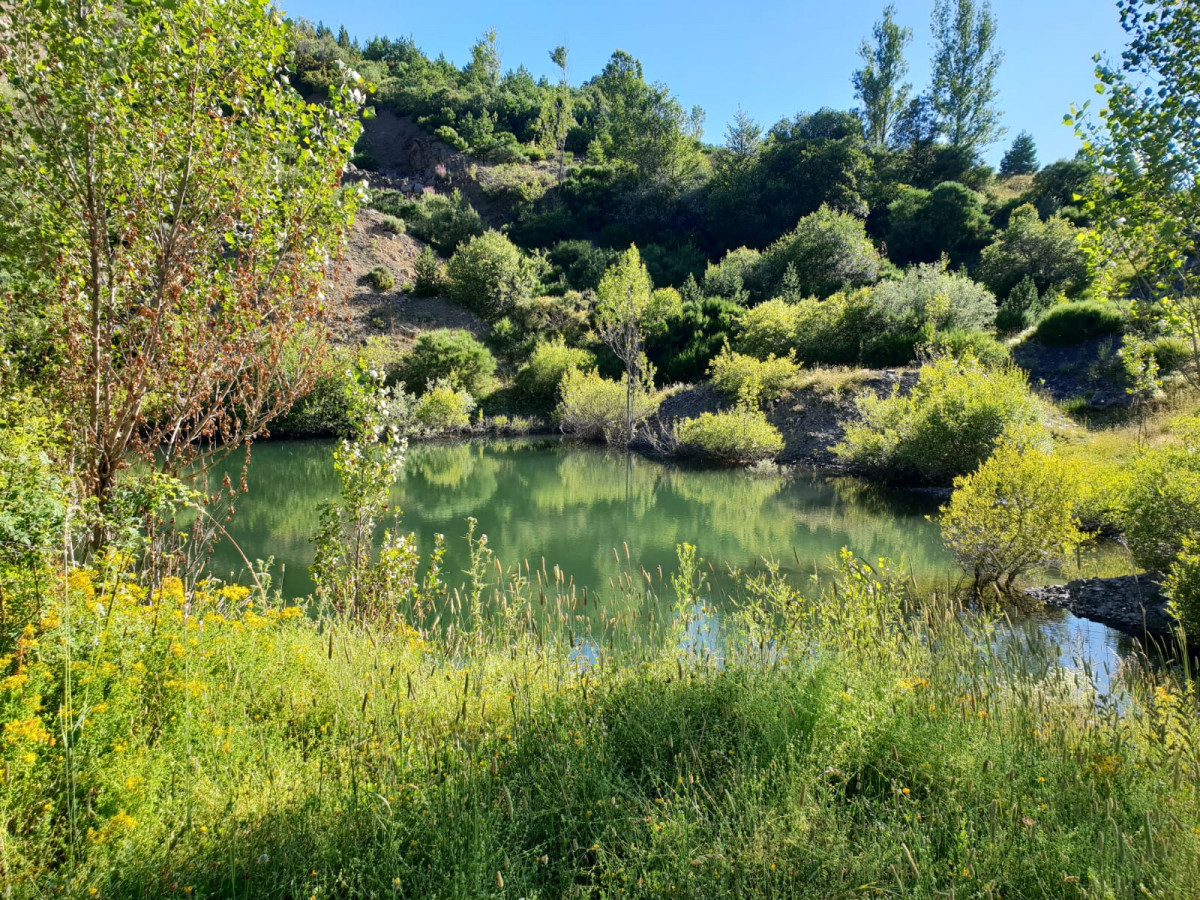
(737, 376)
(1161, 505)
(1172, 353)
(826, 332)
(428, 276)
(381, 278)
(582, 262)
(682, 352)
(1015, 514)
(444, 408)
(394, 225)
(445, 222)
(1073, 323)
(1047, 252)
(770, 328)
(1019, 308)
(738, 274)
(489, 274)
(828, 250)
(949, 423)
(538, 383)
(32, 491)
(452, 355)
(742, 434)
(930, 298)
(1182, 586)
(984, 347)
(923, 225)
(593, 407)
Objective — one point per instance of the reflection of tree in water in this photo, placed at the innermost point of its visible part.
(573, 505)
(588, 477)
(450, 480)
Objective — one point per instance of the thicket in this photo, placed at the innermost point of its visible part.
(596, 408)
(1013, 515)
(451, 355)
(946, 425)
(741, 435)
(538, 382)
(1064, 324)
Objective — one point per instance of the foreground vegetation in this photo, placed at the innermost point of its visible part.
(215, 743)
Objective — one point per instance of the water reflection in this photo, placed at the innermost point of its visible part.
(571, 506)
(609, 524)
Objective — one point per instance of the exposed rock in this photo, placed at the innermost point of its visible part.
(1130, 603)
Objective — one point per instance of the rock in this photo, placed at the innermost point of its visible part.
(1130, 603)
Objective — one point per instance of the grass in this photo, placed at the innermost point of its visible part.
(864, 744)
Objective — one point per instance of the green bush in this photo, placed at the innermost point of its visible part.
(1161, 505)
(381, 278)
(1047, 252)
(984, 347)
(844, 329)
(489, 274)
(451, 355)
(1182, 585)
(1020, 308)
(946, 426)
(428, 275)
(828, 251)
(931, 298)
(582, 262)
(445, 222)
(737, 275)
(444, 408)
(538, 383)
(1172, 353)
(742, 434)
(394, 225)
(594, 408)
(923, 225)
(1065, 324)
(737, 376)
(1014, 514)
(692, 338)
(33, 494)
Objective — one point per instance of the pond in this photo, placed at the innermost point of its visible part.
(603, 517)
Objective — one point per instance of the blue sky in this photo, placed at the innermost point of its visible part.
(772, 57)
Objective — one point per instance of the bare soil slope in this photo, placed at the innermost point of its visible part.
(357, 311)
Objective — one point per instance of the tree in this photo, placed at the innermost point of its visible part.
(172, 205)
(827, 251)
(1145, 146)
(563, 119)
(743, 142)
(1014, 514)
(1048, 252)
(645, 129)
(923, 225)
(878, 84)
(964, 73)
(489, 274)
(484, 66)
(629, 309)
(1021, 157)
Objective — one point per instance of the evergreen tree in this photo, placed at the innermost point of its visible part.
(1021, 158)
(964, 73)
(343, 39)
(878, 83)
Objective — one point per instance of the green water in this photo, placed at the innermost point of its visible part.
(572, 506)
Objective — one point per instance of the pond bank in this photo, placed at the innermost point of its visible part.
(1133, 604)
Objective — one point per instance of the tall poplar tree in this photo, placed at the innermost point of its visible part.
(879, 83)
(964, 73)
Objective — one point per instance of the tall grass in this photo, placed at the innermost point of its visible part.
(863, 742)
